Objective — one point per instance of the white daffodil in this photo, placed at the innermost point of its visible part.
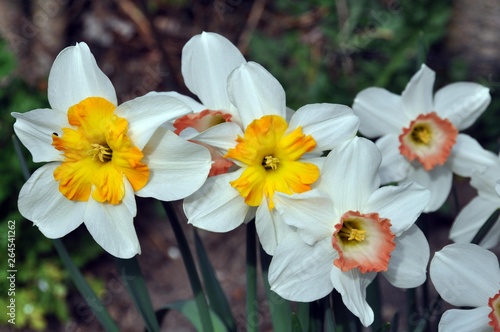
(420, 133)
(467, 275)
(270, 154)
(348, 229)
(101, 154)
(473, 216)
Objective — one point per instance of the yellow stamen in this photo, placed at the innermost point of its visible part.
(352, 233)
(421, 134)
(270, 162)
(104, 153)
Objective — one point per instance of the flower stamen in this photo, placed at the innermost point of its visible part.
(103, 152)
(270, 163)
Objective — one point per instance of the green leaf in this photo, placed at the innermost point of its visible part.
(296, 323)
(251, 273)
(187, 258)
(189, 309)
(303, 309)
(483, 231)
(281, 313)
(133, 279)
(83, 287)
(217, 299)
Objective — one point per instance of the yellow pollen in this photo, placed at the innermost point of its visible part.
(104, 153)
(270, 162)
(421, 134)
(352, 233)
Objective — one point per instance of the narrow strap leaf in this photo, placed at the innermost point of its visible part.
(83, 287)
(303, 315)
(189, 309)
(251, 274)
(483, 231)
(281, 312)
(188, 260)
(217, 298)
(133, 279)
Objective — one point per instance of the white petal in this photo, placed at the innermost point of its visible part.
(177, 167)
(310, 212)
(35, 129)
(195, 106)
(401, 204)
(485, 183)
(471, 218)
(352, 286)
(471, 320)
(350, 174)
(497, 187)
(467, 157)
(299, 272)
(207, 61)
(394, 167)
(222, 136)
(255, 93)
(41, 202)
(465, 274)
(438, 181)
(216, 206)
(328, 124)
(462, 103)
(417, 96)
(408, 264)
(270, 227)
(75, 76)
(112, 226)
(145, 114)
(380, 112)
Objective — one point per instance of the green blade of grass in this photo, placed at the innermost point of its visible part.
(251, 276)
(217, 299)
(187, 258)
(133, 279)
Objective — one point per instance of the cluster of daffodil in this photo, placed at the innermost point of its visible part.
(331, 208)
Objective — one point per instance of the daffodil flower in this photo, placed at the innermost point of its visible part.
(467, 275)
(348, 230)
(271, 154)
(475, 214)
(420, 138)
(99, 155)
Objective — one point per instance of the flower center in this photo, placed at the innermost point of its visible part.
(98, 154)
(429, 140)
(494, 316)
(271, 159)
(201, 122)
(363, 241)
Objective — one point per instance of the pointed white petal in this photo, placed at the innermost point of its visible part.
(270, 228)
(41, 202)
(216, 206)
(352, 286)
(462, 103)
(112, 226)
(328, 124)
(35, 128)
(475, 320)
(75, 76)
(485, 183)
(255, 93)
(394, 167)
(401, 204)
(299, 272)
(222, 136)
(471, 218)
(350, 174)
(417, 96)
(408, 264)
(438, 181)
(465, 274)
(207, 61)
(145, 114)
(177, 167)
(468, 156)
(195, 106)
(380, 112)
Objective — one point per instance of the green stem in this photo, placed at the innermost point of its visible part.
(188, 260)
(251, 274)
